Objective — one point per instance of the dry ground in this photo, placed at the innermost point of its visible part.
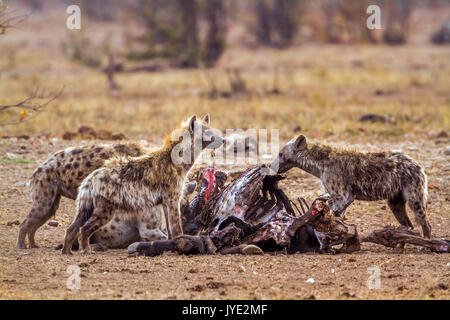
(323, 89)
(405, 274)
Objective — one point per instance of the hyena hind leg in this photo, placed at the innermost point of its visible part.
(72, 233)
(417, 204)
(43, 209)
(397, 206)
(102, 214)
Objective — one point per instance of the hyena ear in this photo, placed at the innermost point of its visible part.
(191, 122)
(206, 119)
(300, 142)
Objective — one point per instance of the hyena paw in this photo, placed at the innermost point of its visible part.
(99, 247)
(87, 251)
(251, 249)
(142, 249)
(66, 252)
(21, 246)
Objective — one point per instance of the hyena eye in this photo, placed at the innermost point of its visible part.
(280, 155)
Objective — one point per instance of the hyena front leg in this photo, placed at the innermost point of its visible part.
(397, 206)
(45, 204)
(172, 217)
(339, 202)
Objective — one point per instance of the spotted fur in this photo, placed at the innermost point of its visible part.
(60, 176)
(133, 185)
(349, 176)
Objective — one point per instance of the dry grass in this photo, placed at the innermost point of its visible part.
(324, 89)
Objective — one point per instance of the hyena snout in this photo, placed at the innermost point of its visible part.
(280, 166)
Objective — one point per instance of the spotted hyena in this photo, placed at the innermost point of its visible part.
(134, 185)
(124, 229)
(349, 176)
(61, 175)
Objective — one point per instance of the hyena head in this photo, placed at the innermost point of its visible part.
(193, 136)
(290, 155)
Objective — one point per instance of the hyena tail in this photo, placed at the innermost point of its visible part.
(85, 208)
(85, 204)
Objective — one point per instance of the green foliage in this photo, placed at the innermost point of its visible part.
(15, 160)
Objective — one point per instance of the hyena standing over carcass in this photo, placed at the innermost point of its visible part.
(60, 176)
(349, 176)
(137, 184)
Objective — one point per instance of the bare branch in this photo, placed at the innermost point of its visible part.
(31, 103)
(10, 20)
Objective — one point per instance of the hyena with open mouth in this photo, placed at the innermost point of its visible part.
(137, 184)
(60, 176)
(349, 176)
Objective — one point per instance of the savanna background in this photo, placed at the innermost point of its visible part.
(136, 68)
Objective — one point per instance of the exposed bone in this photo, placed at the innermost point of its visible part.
(398, 236)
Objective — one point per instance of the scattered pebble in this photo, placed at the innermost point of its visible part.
(310, 280)
(53, 224)
(242, 269)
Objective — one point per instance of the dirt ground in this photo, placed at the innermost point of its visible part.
(405, 274)
(320, 90)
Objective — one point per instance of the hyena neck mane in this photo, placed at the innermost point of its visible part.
(157, 164)
(312, 159)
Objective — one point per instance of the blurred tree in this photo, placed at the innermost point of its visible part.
(442, 36)
(263, 26)
(189, 33)
(173, 31)
(397, 15)
(277, 21)
(286, 17)
(346, 21)
(215, 38)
